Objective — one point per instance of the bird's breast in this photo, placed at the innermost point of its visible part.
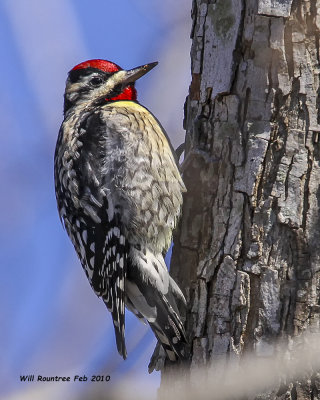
(142, 169)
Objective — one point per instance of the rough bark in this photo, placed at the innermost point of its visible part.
(247, 252)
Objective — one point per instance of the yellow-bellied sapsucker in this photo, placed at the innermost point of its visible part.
(119, 194)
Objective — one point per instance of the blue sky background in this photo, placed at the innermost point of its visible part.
(51, 321)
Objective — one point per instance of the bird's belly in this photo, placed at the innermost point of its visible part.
(147, 210)
(148, 194)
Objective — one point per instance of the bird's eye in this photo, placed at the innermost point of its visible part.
(96, 81)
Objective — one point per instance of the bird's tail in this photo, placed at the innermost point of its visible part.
(153, 294)
(168, 329)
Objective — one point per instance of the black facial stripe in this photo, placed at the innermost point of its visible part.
(116, 91)
(77, 74)
(72, 97)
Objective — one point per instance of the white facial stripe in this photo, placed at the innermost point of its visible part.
(73, 89)
(110, 84)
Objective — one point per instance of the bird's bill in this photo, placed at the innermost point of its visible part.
(133, 74)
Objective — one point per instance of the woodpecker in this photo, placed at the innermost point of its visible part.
(119, 195)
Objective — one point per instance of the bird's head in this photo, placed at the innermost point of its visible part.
(100, 81)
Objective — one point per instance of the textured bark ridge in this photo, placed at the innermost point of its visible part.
(247, 254)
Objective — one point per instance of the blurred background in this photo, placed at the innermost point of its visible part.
(51, 321)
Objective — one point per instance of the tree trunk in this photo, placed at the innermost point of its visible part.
(247, 253)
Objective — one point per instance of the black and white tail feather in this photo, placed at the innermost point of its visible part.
(153, 294)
